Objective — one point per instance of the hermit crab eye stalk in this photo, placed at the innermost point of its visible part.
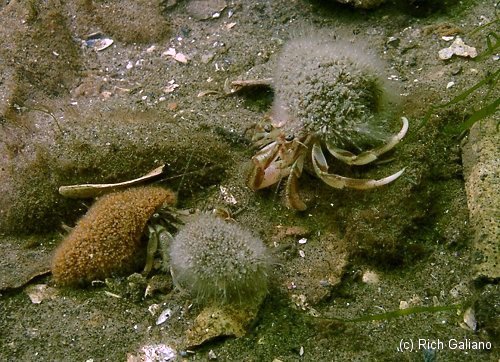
(289, 137)
(268, 128)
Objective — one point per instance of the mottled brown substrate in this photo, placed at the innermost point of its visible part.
(107, 240)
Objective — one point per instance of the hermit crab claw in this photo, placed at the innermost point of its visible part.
(339, 182)
(266, 169)
(370, 155)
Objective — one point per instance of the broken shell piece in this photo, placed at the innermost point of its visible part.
(459, 48)
(470, 319)
(227, 196)
(166, 314)
(153, 352)
(170, 87)
(86, 191)
(98, 41)
(179, 57)
(234, 86)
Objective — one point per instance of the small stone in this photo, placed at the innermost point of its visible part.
(404, 304)
(212, 355)
(370, 277)
(456, 70)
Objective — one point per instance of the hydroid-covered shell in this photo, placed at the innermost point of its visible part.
(333, 88)
(219, 262)
(107, 240)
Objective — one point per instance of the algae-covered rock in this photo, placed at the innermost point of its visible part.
(482, 184)
(215, 322)
(97, 146)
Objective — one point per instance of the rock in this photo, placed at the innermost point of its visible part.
(214, 322)
(370, 277)
(21, 263)
(482, 184)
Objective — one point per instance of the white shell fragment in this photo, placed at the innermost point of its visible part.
(166, 314)
(153, 352)
(170, 87)
(212, 355)
(179, 57)
(153, 309)
(227, 196)
(98, 42)
(470, 319)
(303, 241)
(459, 48)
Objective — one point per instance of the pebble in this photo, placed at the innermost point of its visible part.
(212, 355)
(370, 277)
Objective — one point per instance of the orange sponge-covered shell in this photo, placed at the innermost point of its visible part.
(106, 240)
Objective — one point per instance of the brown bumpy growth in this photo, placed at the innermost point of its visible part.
(107, 240)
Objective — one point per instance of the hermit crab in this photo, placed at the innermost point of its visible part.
(109, 238)
(329, 94)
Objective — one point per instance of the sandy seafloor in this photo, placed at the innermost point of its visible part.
(70, 115)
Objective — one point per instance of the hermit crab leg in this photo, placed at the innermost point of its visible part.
(291, 191)
(266, 155)
(151, 249)
(263, 173)
(371, 155)
(339, 182)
